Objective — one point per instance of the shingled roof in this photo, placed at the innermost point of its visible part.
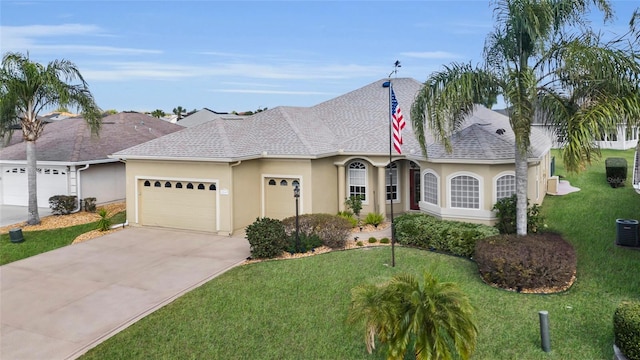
(71, 141)
(354, 123)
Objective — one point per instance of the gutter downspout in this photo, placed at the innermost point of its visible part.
(79, 188)
(232, 222)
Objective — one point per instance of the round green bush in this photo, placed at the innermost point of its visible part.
(385, 240)
(626, 328)
(267, 238)
(533, 263)
(373, 240)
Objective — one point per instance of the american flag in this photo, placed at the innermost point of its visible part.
(398, 122)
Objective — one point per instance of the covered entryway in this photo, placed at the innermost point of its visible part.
(279, 202)
(51, 181)
(414, 186)
(177, 204)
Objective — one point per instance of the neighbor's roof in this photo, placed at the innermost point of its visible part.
(206, 115)
(354, 123)
(71, 141)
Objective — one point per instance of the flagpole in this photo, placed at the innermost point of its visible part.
(396, 65)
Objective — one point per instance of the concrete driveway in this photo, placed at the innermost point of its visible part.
(59, 304)
(14, 214)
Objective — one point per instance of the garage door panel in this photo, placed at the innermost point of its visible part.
(279, 200)
(50, 181)
(180, 208)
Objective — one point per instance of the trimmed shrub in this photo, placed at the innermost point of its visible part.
(374, 219)
(452, 237)
(531, 262)
(385, 240)
(267, 238)
(349, 216)
(373, 240)
(616, 169)
(104, 223)
(307, 242)
(505, 209)
(62, 204)
(626, 328)
(333, 230)
(89, 204)
(359, 243)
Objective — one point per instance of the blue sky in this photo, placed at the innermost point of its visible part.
(243, 55)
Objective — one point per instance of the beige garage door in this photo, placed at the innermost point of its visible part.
(279, 200)
(178, 204)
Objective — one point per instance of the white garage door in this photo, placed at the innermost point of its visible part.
(279, 200)
(51, 181)
(178, 204)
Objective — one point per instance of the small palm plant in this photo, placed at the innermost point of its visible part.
(435, 317)
(104, 223)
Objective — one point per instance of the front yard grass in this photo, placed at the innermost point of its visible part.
(296, 309)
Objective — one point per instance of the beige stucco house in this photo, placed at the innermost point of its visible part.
(221, 175)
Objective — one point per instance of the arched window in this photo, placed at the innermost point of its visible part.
(178, 185)
(357, 180)
(283, 183)
(295, 183)
(212, 187)
(272, 182)
(167, 184)
(465, 192)
(147, 183)
(431, 188)
(200, 186)
(391, 173)
(189, 186)
(505, 186)
(157, 184)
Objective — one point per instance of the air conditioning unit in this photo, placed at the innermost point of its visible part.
(552, 185)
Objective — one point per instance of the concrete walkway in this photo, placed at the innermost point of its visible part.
(59, 304)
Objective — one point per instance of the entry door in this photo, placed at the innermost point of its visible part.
(414, 184)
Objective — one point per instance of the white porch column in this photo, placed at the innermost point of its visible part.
(382, 191)
(342, 188)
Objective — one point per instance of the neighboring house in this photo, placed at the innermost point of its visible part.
(73, 162)
(221, 175)
(206, 115)
(623, 138)
(636, 170)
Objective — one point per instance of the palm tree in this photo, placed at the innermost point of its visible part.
(179, 111)
(543, 67)
(26, 88)
(435, 317)
(157, 113)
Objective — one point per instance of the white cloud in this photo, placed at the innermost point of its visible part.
(27, 38)
(119, 71)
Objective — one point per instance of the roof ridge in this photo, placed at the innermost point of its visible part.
(296, 130)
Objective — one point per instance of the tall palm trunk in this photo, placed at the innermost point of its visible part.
(522, 177)
(33, 218)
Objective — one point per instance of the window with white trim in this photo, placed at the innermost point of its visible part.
(505, 186)
(465, 192)
(391, 173)
(357, 180)
(431, 188)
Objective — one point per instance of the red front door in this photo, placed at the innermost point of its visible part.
(414, 192)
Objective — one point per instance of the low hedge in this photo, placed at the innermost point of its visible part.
(333, 230)
(536, 263)
(267, 238)
(626, 328)
(453, 237)
(62, 204)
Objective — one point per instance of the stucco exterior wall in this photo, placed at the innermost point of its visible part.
(105, 182)
(324, 186)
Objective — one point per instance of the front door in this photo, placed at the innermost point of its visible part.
(414, 185)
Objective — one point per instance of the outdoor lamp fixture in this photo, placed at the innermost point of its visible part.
(296, 195)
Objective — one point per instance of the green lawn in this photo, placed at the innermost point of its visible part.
(296, 309)
(37, 242)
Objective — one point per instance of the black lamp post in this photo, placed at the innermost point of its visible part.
(296, 195)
